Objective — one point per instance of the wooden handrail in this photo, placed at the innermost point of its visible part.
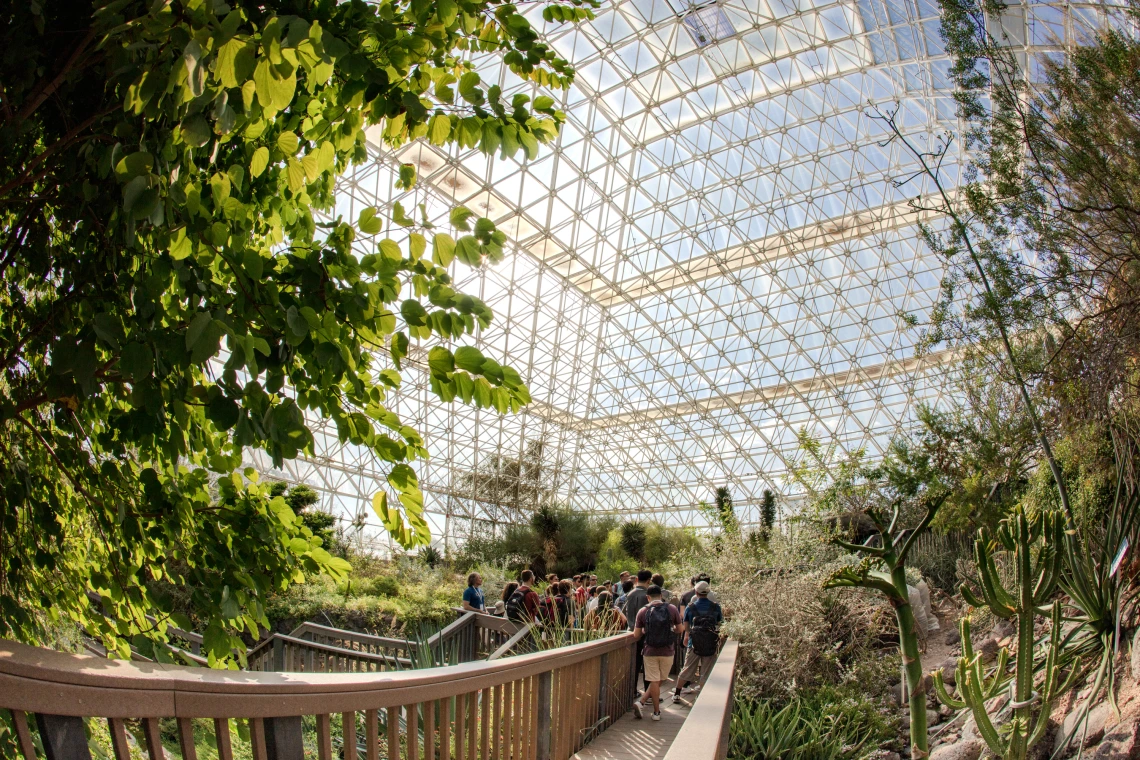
(510, 643)
(362, 638)
(705, 733)
(41, 680)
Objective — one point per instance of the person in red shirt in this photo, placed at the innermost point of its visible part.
(530, 600)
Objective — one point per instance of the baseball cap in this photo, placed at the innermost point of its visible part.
(702, 588)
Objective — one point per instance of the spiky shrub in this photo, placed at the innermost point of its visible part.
(884, 570)
(633, 538)
(1037, 545)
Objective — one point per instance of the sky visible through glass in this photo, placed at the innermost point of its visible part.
(713, 255)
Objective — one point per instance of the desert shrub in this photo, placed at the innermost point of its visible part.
(379, 595)
(936, 557)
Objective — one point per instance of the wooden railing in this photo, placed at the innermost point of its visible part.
(312, 648)
(705, 733)
(540, 706)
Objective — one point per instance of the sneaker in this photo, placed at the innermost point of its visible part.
(637, 709)
(656, 716)
(690, 689)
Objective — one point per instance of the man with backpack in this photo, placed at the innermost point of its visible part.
(522, 606)
(634, 601)
(657, 625)
(701, 628)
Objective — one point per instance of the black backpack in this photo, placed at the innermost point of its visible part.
(516, 607)
(561, 610)
(703, 633)
(658, 626)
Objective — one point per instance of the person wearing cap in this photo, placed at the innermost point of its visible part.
(701, 630)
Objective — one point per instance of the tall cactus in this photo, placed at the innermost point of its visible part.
(1037, 545)
(896, 545)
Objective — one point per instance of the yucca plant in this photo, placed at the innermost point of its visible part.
(891, 555)
(1038, 547)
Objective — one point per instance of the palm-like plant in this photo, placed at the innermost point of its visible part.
(633, 538)
(547, 526)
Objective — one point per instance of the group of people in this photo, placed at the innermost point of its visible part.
(658, 618)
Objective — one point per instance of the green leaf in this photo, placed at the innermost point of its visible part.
(439, 129)
(259, 161)
(469, 358)
(403, 478)
(289, 143)
(400, 217)
(196, 131)
(459, 217)
(274, 91)
(417, 245)
(543, 103)
(442, 249)
(368, 222)
(295, 174)
(298, 325)
(407, 179)
(180, 245)
(399, 348)
(440, 361)
(391, 251)
(413, 313)
(134, 165)
(234, 63)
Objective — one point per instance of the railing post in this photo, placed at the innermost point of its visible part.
(545, 681)
(631, 694)
(603, 683)
(63, 737)
(283, 739)
(278, 654)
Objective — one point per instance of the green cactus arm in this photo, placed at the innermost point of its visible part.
(973, 696)
(1049, 570)
(964, 634)
(933, 504)
(1041, 724)
(851, 577)
(1000, 679)
(944, 695)
(857, 548)
(970, 597)
(997, 599)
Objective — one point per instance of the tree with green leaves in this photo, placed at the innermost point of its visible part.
(175, 291)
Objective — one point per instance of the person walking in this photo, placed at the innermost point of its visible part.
(701, 627)
(634, 601)
(473, 600)
(657, 624)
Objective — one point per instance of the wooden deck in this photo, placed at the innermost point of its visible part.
(633, 739)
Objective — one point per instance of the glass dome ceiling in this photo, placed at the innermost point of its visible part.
(712, 257)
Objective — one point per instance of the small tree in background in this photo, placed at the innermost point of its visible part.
(767, 513)
(725, 512)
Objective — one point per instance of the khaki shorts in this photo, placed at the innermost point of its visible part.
(657, 668)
